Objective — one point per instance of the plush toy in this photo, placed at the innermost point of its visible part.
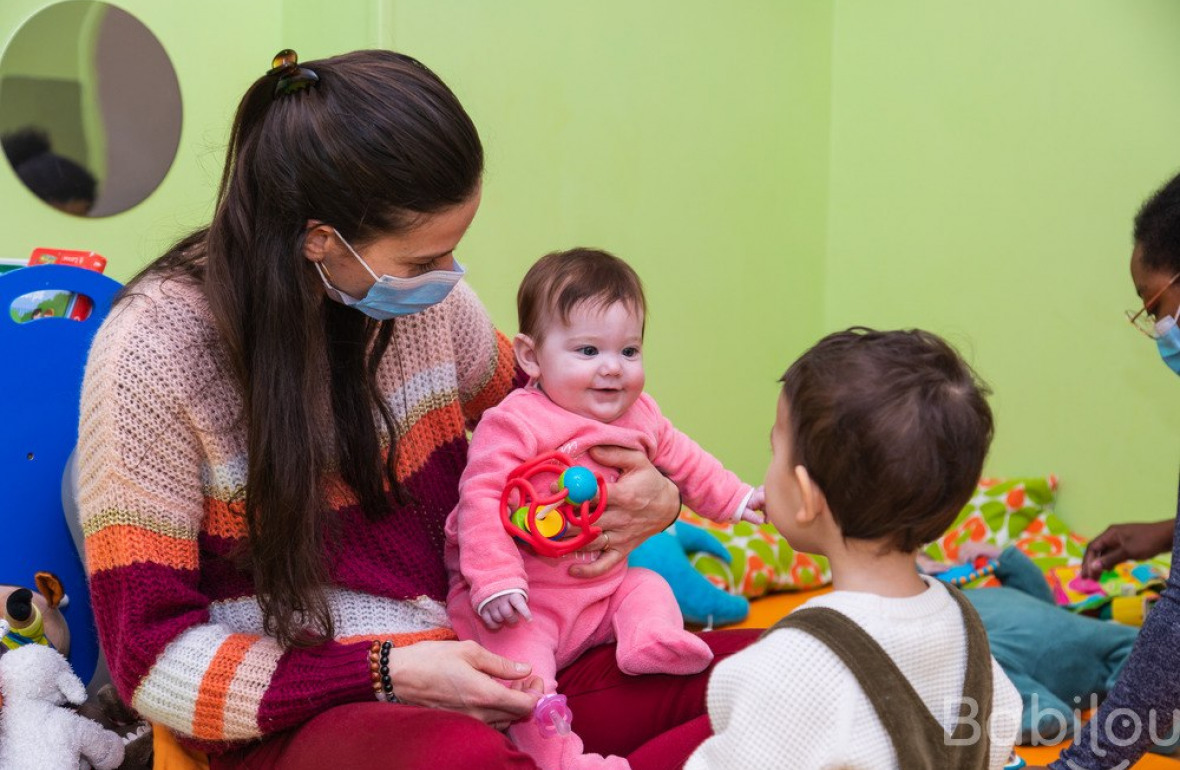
(35, 618)
(1059, 661)
(964, 574)
(36, 731)
(107, 709)
(1125, 592)
(700, 601)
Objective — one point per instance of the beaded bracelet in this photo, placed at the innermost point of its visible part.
(379, 670)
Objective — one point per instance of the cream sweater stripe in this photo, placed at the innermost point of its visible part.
(354, 614)
(166, 693)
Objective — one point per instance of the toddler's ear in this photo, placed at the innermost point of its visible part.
(526, 355)
(813, 501)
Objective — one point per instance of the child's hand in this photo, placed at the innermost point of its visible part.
(930, 566)
(754, 506)
(509, 609)
(970, 551)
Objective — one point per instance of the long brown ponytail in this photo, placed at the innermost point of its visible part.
(377, 141)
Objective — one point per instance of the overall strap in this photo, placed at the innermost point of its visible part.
(972, 735)
(918, 738)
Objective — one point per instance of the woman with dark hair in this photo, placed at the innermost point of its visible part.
(1140, 713)
(273, 427)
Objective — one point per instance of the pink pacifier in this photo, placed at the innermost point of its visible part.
(552, 715)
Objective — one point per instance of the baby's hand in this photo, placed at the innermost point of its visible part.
(754, 506)
(509, 608)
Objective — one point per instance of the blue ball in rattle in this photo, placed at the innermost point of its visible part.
(579, 483)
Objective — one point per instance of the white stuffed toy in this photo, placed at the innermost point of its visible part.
(36, 731)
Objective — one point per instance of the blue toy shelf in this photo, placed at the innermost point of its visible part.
(41, 365)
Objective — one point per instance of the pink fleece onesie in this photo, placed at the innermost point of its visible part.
(632, 606)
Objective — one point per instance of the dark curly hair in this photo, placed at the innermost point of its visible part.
(51, 177)
(1157, 229)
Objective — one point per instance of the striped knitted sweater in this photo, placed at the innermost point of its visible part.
(162, 471)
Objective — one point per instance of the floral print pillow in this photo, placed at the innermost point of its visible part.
(1016, 512)
(1002, 512)
(762, 560)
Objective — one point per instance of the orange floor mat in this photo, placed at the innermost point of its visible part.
(170, 755)
(765, 611)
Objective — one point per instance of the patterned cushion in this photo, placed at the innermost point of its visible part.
(1002, 512)
(1016, 512)
(762, 563)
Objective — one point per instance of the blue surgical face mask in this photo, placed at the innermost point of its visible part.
(1168, 341)
(391, 296)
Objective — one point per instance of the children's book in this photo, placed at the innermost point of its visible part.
(54, 302)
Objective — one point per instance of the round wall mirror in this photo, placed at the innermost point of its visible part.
(89, 108)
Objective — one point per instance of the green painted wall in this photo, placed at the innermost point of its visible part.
(47, 74)
(689, 138)
(774, 170)
(25, 55)
(987, 160)
(215, 61)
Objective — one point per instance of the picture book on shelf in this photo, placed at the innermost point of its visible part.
(53, 302)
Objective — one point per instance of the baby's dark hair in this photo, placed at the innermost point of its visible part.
(1157, 228)
(51, 177)
(894, 427)
(561, 280)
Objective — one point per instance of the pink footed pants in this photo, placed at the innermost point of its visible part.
(640, 615)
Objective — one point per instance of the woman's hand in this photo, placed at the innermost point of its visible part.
(1126, 541)
(461, 676)
(641, 503)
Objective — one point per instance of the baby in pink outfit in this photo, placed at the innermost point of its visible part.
(581, 339)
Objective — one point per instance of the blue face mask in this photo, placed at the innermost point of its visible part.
(1168, 342)
(391, 296)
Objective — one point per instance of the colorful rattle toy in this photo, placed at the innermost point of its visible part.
(543, 520)
(553, 715)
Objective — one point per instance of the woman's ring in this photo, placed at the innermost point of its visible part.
(606, 536)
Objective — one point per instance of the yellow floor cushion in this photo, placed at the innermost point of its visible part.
(170, 755)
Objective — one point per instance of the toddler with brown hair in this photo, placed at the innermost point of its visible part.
(879, 440)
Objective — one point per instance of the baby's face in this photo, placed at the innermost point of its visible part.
(593, 365)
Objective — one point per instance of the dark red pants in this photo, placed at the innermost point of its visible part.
(656, 721)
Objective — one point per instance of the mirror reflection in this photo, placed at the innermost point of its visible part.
(90, 108)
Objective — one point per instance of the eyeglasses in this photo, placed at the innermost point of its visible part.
(1144, 320)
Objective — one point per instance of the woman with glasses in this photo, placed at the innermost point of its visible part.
(274, 423)
(1143, 704)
